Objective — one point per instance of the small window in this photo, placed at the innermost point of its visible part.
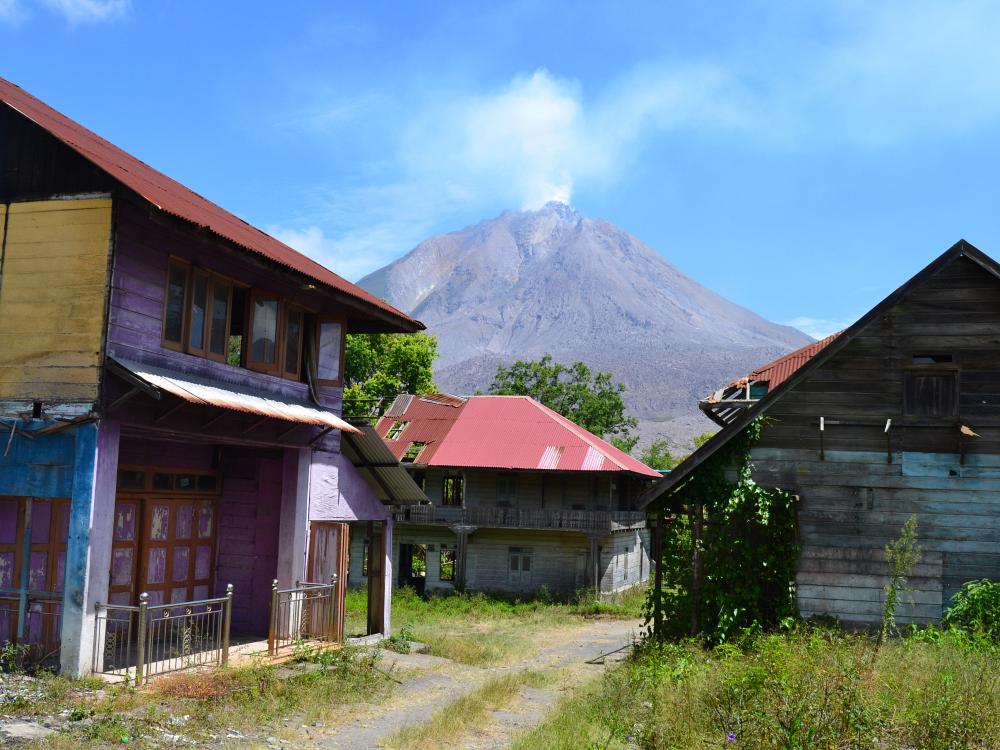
(520, 564)
(453, 491)
(932, 359)
(447, 564)
(219, 319)
(197, 313)
(395, 431)
(330, 349)
(174, 305)
(292, 345)
(131, 479)
(930, 394)
(412, 451)
(420, 477)
(263, 332)
(163, 481)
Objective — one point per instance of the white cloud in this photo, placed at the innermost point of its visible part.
(74, 11)
(819, 328)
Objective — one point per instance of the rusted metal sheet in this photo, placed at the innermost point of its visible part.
(170, 196)
(391, 482)
(198, 390)
(777, 372)
(502, 432)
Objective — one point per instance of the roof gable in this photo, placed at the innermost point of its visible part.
(170, 196)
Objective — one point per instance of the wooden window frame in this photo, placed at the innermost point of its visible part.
(444, 483)
(288, 308)
(193, 275)
(209, 318)
(248, 361)
(942, 369)
(177, 346)
(148, 488)
(320, 320)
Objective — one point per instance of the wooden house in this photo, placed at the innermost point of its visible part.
(897, 415)
(170, 396)
(520, 499)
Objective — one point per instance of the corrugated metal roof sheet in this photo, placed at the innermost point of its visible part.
(504, 432)
(391, 482)
(170, 196)
(777, 372)
(204, 392)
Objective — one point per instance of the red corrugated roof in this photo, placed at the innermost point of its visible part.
(777, 372)
(170, 196)
(504, 432)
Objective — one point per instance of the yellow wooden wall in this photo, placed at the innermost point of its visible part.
(52, 299)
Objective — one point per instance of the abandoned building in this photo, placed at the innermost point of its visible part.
(170, 397)
(520, 499)
(897, 415)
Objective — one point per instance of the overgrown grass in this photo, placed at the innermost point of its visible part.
(486, 630)
(208, 706)
(808, 689)
(453, 721)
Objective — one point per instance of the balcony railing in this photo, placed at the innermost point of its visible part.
(514, 518)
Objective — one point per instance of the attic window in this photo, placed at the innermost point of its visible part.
(395, 430)
(932, 359)
(412, 451)
(930, 393)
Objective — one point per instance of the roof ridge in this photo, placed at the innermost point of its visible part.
(586, 435)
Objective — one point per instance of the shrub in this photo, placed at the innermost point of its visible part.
(975, 609)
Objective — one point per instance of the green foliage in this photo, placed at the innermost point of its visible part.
(902, 555)
(700, 440)
(658, 456)
(748, 550)
(975, 610)
(383, 365)
(592, 400)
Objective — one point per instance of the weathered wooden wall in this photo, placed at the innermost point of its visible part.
(856, 496)
(52, 299)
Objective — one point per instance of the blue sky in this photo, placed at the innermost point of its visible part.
(802, 159)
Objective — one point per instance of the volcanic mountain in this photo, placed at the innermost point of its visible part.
(551, 281)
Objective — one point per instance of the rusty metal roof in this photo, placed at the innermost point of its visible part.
(390, 482)
(777, 372)
(170, 196)
(502, 432)
(202, 391)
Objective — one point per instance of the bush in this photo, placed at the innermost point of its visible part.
(975, 609)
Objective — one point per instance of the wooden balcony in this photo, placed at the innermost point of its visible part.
(588, 521)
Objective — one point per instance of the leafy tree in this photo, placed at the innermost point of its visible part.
(700, 440)
(658, 456)
(592, 400)
(383, 365)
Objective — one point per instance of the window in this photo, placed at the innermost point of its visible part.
(197, 313)
(930, 387)
(396, 429)
(330, 349)
(420, 477)
(174, 304)
(219, 319)
(412, 451)
(520, 564)
(364, 560)
(447, 563)
(453, 491)
(506, 490)
(263, 352)
(292, 345)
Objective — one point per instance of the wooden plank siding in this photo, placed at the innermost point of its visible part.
(52, 299)
(856, 495)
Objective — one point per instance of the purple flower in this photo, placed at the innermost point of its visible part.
(731, 737)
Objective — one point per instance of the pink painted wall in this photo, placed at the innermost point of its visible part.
(337, 492)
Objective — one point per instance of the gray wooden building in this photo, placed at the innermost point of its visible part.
(520, 499)
(897, 415)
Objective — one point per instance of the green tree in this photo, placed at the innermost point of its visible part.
(592, 400)
(658, 456)
(700, 440)
(383, 365)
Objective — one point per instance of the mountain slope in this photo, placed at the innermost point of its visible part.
(554, 282)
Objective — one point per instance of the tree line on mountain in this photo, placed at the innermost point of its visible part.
(380, 366)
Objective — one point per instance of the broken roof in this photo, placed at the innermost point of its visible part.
(499, 432)
(170, 196)
(683, 471)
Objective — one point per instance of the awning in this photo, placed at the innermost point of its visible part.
(205, 392)
(372, 458)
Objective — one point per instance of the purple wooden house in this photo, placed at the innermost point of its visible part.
(170, 401)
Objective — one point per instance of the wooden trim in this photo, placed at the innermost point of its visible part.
(178, 346)
(289, 310)
(148, 488)
(196, 275)
(210, 318)
(339, 380)
(267, 367)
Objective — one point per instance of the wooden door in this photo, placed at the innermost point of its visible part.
(376, 578)
(178, 549)
(328, 547)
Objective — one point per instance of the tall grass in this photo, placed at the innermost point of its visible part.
(808, 689)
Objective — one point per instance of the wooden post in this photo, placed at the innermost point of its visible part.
(658, 574)
(697, 573)
(272, 630)
(460, 558)
(140, 646)
(227, 621)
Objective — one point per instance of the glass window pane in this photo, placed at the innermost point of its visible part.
(173, 323)
(329, 351)
(219, 335)
(199, 300)
(265, 331)
(293, 338)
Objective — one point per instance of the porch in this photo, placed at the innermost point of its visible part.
(586, 521)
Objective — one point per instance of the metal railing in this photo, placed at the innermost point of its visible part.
(307, 612)
(169, 637)
(32, 619)
(493, 517)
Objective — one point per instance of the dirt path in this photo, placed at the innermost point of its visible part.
(431, 683)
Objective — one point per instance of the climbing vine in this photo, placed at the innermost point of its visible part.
(745, 539)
